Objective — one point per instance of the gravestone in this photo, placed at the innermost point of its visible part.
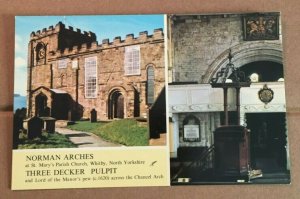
(49, 124)
(34, 127)
(93, 115)
(18, 125)
(18, 120)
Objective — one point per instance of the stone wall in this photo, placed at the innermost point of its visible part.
(198, 47)
(110, 68)
(199, 41)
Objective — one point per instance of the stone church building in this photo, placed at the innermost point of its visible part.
(199, 47)
(70, 74)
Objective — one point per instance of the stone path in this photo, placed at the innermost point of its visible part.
(85, 139)
(161, 141)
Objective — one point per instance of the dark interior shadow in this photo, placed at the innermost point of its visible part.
(77, 135)
(78, 144)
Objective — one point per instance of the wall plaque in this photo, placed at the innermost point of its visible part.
(191, 133)
(266, 94)
(261, 27)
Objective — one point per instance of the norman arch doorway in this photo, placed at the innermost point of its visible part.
(41, 109)
(116, 105)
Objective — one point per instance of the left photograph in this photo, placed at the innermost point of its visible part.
(89, 81)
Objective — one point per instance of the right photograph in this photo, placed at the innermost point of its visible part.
(226, 99)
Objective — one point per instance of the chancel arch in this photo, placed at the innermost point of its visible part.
(246, 53)
(264, 71)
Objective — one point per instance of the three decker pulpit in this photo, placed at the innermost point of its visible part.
(232, 143)
(232, 152)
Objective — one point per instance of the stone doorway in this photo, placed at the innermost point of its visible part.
(268, 141)
(41, 109)
(136, 104)
(61, 105)
(116, 105)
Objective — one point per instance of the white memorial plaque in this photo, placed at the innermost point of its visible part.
(191, 132)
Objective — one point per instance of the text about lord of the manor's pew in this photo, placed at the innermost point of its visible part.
(54, 169)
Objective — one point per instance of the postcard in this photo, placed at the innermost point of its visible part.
(149, 100)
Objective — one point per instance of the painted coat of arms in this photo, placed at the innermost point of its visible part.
(261, 27)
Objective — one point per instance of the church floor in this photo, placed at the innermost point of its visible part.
(181, 174)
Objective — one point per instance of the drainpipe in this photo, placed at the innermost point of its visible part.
(30, 64)
(51, 76)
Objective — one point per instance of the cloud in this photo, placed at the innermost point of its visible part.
(20, 84)
(20, 62)
(18, 43)
(20, 75)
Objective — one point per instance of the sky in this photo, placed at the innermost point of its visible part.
(104, 26)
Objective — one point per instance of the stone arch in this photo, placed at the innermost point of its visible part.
(150, 65)
(263, 71)
(191, 119)
(40, 53)
(33, 96)
(41, 105)
(245, 53)
(116, 103)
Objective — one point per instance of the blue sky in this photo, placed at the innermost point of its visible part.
(104, 26)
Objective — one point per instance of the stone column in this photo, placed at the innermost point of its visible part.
(203, 132)
(288, 163)
(217, 124)
(175, 138)
(243, 121)
(212, 128)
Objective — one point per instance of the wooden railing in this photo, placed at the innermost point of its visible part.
(201, 162)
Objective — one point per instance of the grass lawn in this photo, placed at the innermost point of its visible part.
(128, 132)
(47, 140)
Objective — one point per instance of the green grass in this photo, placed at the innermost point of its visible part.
(47, 140)
(128, 132)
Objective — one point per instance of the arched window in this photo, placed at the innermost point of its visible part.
(40, 52)
(132, 60)
(63, 79)
(90, 76)
(150, 85)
